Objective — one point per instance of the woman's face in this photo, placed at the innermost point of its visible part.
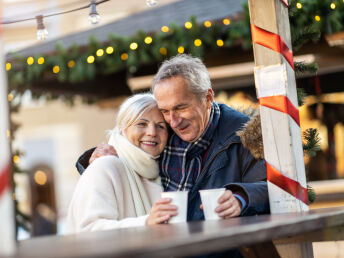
(149, 132)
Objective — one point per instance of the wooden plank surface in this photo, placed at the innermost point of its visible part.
(182, 239)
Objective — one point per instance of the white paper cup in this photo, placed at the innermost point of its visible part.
(180, 199)
(209, 200)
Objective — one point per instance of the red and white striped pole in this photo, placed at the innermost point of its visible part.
(7, 226)
(276, 90)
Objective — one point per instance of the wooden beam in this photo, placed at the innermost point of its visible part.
(216, 73)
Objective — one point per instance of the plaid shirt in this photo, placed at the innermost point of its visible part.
(181, 161)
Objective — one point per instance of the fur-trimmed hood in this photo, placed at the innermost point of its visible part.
(251, 134)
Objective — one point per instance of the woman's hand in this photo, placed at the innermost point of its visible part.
(161, 211)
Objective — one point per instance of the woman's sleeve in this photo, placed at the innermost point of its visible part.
(94, 205)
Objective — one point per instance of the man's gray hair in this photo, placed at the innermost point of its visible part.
(190, 68)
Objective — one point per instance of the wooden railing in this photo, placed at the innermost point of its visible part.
(330, 193)
(253, 235)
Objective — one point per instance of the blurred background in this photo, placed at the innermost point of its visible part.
(64, 92)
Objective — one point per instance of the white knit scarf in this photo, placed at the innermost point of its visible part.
(137, 164)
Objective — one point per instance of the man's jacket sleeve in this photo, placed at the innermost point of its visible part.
(82, 162)
(253, 184)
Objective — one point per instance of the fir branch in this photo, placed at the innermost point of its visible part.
(311, 194)
(302, 67)
(301, 94)
(311, 141)
(301, 37)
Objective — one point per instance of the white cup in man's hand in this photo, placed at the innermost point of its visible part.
(180, 199)
(210, 202)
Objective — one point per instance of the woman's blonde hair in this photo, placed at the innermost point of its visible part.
(132, 109)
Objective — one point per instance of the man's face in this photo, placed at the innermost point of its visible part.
(187, 115)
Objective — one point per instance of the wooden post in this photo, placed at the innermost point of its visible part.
(276, 90)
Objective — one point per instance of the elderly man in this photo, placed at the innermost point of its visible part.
(204, 152)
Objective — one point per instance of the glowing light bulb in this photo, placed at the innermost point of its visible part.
(151, 3)
(148, 40)
(42, 32)
(188, 25)
(220, 42)
(93, 17)
(198, 42)
(207, 24)
(109, 50)
(133, 46)
(164, 29)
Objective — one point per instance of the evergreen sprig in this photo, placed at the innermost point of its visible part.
(302, 67)
(301, 94)
(311, 194)
(301, 37)
(311, 142)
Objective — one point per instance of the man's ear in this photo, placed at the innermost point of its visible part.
(210, 98)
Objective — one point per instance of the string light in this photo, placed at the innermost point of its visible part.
(16, 159)
(90, 59)
(42, 32)
(219, 42)
(56, 69)
(164, 29)
(207, 24)
(8, 66)
(71, 63)
(40, 177)
(333, 6)
(93, 17)
(10, 97)
(163, 51)
(188, 25)
(298, 5)
(109, 50)
(148, 40)
(100, 52)
(8, 133)
(133, 46)
(226, 21)
(124, 56)
(317, 18)
(30, 60)
(198, 42)
(40, 60)
(151, 3)
(180, 49)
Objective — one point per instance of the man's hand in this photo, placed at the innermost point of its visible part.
(102, 149)
(229, 206)
(161, 211)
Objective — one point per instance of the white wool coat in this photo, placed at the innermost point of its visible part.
(102, 198)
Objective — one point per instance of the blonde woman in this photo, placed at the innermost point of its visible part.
(117, 192)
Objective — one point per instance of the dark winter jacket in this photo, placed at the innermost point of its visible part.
(231, 165)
